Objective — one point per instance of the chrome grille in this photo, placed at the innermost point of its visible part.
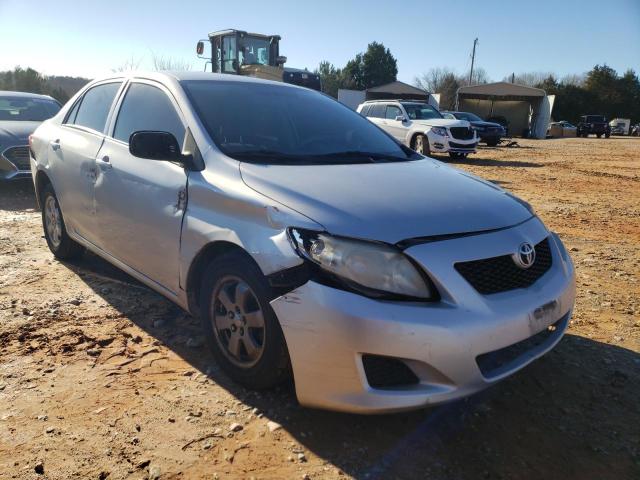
(462, 133)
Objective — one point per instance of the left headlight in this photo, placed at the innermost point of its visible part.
(372, 269)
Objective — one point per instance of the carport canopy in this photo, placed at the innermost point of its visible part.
(525, 108)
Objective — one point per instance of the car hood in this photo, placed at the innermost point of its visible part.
(442, 122)
(16, 133)
(388, 202)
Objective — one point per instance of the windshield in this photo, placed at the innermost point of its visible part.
(254, 51)
(268, 123)
(27, 109)
(595, 118)
(421, 111)
(469, 117)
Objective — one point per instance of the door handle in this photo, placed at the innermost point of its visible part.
(55, 144)
(104, 162)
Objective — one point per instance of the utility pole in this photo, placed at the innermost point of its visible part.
(473, 59)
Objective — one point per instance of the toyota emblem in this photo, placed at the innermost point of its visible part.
(525, 256)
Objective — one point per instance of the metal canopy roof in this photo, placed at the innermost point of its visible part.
(502, 90)
(398, 88)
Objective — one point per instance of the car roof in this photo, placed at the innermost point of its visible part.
(11, 93)
(402, 100)
(182, 76)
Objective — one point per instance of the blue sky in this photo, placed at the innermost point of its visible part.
(89, 38)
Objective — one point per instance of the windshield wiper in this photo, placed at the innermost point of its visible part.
(346, 157)
(372, 157)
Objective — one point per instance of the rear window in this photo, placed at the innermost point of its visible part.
(26, 109)
(595, 118)
(95, 105)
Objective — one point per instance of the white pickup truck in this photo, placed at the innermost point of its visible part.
(421, 127)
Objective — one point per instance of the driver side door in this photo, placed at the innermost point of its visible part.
(395, 127)
(140, 202)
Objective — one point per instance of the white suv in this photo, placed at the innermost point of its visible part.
(421, 127)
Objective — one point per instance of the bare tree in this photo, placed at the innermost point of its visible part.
(160, 63)
(129, 64)
(434, 79)
(530, 79)
(480, 76)
(443, 81)
(575, 79)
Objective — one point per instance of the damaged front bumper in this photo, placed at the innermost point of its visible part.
(454, 347)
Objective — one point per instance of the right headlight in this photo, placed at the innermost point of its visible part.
(370, 268)
(439, 131)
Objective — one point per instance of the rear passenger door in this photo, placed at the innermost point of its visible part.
(140, 202)
(72, 153)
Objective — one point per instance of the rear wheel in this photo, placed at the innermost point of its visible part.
(55, 232)
(493, 142)
(241, 328)
(421, 145)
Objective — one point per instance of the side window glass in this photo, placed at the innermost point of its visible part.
(147, 108)
(377, 110)
(365, 110)
(95, 105)
(393, 112)
(71, 117)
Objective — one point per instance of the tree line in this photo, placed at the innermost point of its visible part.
(599, 91)
(29, 80)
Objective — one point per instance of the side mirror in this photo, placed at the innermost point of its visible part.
(156, 146)
(200, 47)
(281, 60)
(401, 118)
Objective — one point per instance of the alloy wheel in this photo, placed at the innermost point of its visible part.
(53, 221)
(238, 321)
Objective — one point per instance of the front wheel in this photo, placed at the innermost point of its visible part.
(421, 145)
(241, 328)
(458, 155)
(492, 143)
(55, 231)
(607, 135)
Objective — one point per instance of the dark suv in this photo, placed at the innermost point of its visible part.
(593, 124)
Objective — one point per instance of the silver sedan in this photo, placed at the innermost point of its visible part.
(309, 242)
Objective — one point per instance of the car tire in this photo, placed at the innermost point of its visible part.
(421, 145)
(241, 328)
(599, 135)
(607, 135)
(492, 143)
(55, 231)
(458, 155)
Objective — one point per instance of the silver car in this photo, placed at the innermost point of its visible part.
(308, 241)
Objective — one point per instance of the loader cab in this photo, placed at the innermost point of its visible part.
(241, 53)
(238, 52)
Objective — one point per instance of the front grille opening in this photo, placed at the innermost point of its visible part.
(461, 133)
(387, 372)
(495, 363)
(19, 156)
(500, 274)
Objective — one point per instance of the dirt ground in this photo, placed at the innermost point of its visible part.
(102, 378)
